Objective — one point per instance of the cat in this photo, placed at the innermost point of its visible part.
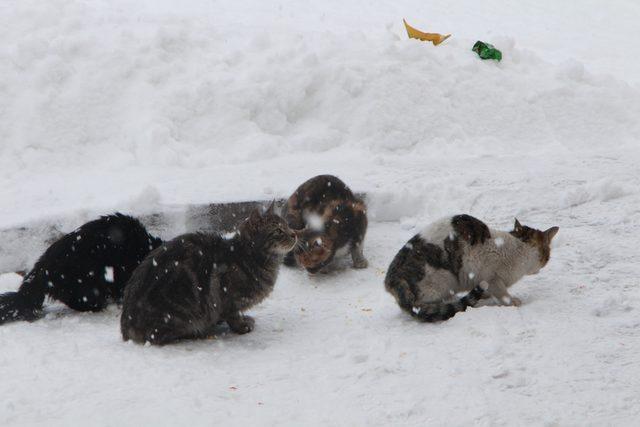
(187, 286)
(83, 269)
(331, 220)
(461, 254)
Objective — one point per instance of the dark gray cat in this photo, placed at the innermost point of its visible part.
(195, 281)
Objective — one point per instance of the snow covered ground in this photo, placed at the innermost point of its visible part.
(127, 105)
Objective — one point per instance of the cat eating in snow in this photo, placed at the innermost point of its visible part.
(461, 254)
(330, 220)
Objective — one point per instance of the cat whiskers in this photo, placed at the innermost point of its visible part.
(301, 246)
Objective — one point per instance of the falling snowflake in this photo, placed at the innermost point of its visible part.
(108, 274)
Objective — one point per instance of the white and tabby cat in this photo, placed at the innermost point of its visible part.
(461, 254)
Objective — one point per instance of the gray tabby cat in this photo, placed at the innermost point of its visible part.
(461, 254)
(188, 285)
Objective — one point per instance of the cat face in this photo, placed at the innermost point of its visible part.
(314, 251)
(282, 238)
(541, 240)
(274, 234)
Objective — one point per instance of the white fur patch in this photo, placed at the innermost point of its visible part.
(230, 235)
(438, 231)
(108, 274)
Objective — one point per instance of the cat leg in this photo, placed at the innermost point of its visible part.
(359, 261)
(239, 323)
(499, 292)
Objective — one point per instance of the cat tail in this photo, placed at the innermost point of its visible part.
(439, 311)
(25, 304)
(433, 311)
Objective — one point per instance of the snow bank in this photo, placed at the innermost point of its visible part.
(114, 91)
(118, 95)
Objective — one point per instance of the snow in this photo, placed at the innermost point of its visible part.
(141, 106)
(314, 221)
(147, 98)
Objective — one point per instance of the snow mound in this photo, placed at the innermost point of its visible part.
(122, 90)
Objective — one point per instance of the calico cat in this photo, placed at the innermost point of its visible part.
(331, 220)
(195, 281)
(461, 254)
(83, 269)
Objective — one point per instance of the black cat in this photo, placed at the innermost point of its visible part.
(195, 281)
(83, 269)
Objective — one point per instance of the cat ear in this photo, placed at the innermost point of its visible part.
(255, 215)
(550, 233)
(517, 227)
(271, 207)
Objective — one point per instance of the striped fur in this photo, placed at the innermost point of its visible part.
(187, 286)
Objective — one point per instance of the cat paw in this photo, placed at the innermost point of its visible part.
(242, 325)
(510, 301)
(361, 263)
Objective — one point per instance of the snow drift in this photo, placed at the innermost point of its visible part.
(107, 92)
